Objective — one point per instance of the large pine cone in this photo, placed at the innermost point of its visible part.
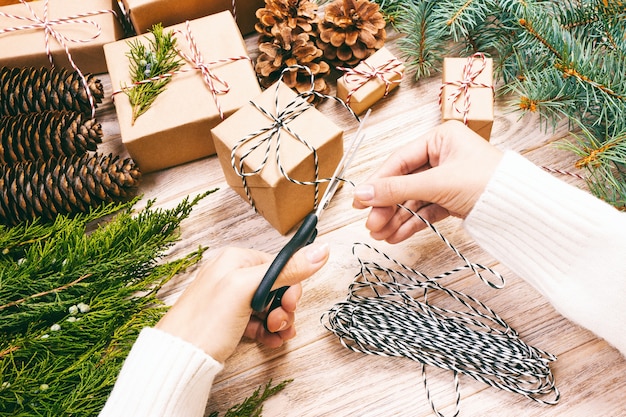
(68, 185)
(299, 15)
(351, 31)
(31, 90)
(285, 50)
(51, 134)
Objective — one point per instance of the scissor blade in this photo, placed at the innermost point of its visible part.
(342, 167)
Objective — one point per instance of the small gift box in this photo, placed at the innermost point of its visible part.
(145, 13)
(176, 128)
(467, 92)
(362, 86)
(279, 158)
(82, 27)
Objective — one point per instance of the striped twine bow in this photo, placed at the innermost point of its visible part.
(469, 80)
(197, 63)
(363, 76)
(389, 312)
(210, 78)
(48, 26)
(271, 135)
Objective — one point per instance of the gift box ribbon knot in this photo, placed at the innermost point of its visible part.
(363, 76)
(471, 70)
(50, 26)
(270, 134)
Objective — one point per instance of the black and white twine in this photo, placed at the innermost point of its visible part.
(398, 311)
(269, 137)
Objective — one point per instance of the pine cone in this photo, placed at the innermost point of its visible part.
(351, 31)
(50, 134)
(287, 49)
(30, 90)
(68, 185)
(299, 15)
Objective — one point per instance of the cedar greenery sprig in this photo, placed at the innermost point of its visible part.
(157, 59)
(253, 405)
(73, 298)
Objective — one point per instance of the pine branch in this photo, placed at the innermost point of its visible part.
(157, 59)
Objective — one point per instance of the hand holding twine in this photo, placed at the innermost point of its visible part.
(363, 76)
(470, 73)
(48, 25)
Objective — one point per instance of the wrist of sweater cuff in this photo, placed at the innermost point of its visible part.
(162, 376)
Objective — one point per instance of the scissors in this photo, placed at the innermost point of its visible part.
(306, 233)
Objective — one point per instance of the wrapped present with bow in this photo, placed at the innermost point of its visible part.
(143, 14)
(64, 33)
(278, 152)
(217, 78)
(467, 92)
(362, 86)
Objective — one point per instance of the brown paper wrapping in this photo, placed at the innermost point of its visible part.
(374, 89)
(145, 13)
(25, 48)
(281, 202)
(176, 128)
(480, 115)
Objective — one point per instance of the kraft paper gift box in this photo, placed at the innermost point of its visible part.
(26, 47)
(361, 87)
(480, 90)
(144, 14)
(176, 128)
(280, 201)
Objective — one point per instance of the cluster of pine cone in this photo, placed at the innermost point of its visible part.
(46, 135)
(292, 33)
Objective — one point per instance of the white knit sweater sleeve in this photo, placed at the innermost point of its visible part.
(566, 243)
(162, 376)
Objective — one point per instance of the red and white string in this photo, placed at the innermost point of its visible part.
(50, 28)
(462, 92)
(382, 72)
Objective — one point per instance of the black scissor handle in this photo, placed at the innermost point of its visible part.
(305, 235)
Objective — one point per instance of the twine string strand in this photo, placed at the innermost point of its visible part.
(393, 310)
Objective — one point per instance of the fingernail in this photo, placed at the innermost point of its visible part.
(316, 252)
(283, 326)
(364, 192)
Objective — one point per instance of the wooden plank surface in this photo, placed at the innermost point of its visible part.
(328, 379)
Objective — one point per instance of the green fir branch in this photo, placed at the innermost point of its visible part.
(423, 47)
(159, 58)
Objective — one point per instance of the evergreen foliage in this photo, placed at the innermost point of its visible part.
(563, 59)
(74, 295)
(148, 62)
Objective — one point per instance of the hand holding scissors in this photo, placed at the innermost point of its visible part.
(306, 233)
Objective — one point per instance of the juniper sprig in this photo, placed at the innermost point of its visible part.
(149, 62)
(74, 295)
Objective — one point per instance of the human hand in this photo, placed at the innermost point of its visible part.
(214, 311)
(442, 173)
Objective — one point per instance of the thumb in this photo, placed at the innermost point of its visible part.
(424, 186)
(303, 264)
